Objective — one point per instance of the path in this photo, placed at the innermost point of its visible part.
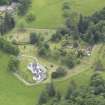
(85, 65)
(37, 29)
(31, 57)
(28, 83)
(23, 80)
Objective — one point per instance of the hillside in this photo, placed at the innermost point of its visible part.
(15, 92)
(50, 50)
(49, 13)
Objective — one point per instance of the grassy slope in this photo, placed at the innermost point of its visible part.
(49, 12)
(13, 92)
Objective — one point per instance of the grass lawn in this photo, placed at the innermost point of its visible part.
(49, 12)
(12, 91)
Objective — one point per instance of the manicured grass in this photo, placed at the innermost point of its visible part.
(49, 12)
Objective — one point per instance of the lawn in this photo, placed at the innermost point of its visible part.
(49, 12)
(12, 91)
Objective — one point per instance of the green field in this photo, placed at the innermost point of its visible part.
(12, 91)
(49, 12)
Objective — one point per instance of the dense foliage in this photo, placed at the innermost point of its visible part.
(94, 94)
(8, 47)
(6, 23)
(60, 72)
(2, 2)
(34, 38)
(90, 29)
(23, 6)
(13, 64)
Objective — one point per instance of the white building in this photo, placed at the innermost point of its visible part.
(38, 71)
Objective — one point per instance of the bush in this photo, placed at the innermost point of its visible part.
(2, 2)
(8, 47)
(43, 51)
(66, 13)
(98, 66)
(23, 6)
(69, 61)
(30, 17)
(56, 37)
(34, 38)
(66, 5)
(13, 64)
(60, 72)
(75, 44)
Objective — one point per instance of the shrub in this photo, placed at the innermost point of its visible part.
(13, 64)
(98, 66)
(30, 17)
(8, 47)
(34, 38)
(69, 61)
(43, 51)
(66, 5)
(60, 72)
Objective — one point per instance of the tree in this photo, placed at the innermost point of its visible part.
(46, 45)
(58, 96)
(44, 50)
(8, 47)
(83, 95)
(23, 6)
(34, 38)
(2, 2)
(83, 24)
(66, 5)
(69, 24)
(95, 33)
(56, 37)
(13, 64)
(97, 83)
(97, 16)
(7, 23)
(69, 61)
(42, 98)
(50, 89)
(98, 66)
(30, 17)
(60, 72)
(71, 92)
